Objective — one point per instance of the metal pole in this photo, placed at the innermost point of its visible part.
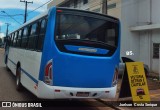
(7, 29)
(25, 17)
(25, 14)
(104, 6)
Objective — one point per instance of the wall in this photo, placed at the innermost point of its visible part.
(155, 33)
(144, 18)
(155, 39)
(116, 12)
(145, 47)
(54, 3)
(144, 14)
(92, 5)
(129, 40)
(95, 4)
(137, 13)
(148, 15)
(155, 11)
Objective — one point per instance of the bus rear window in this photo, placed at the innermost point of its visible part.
(86, 28)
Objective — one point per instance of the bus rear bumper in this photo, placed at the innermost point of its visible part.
(55, 92)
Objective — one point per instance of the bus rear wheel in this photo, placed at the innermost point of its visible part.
(18, 79)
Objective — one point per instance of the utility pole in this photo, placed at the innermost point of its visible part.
(26, 3)
(104, 6)
(7, 29)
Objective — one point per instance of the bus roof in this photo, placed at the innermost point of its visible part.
(61, 8)
(32, 20)
(65, 8)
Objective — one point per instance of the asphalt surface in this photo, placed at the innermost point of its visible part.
(8, 92)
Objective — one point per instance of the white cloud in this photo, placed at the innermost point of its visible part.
(20, 5)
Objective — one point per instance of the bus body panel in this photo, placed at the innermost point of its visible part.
(30, 66)
(48, 50)
(83, 71)
(11, 63)
(48, 92)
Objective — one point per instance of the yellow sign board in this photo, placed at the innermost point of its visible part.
(137, 81)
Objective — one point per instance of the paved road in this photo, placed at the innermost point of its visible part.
(8, 93)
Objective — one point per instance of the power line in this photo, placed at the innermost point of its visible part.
(39, 7)
(11, 17)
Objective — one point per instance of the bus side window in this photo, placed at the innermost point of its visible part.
(12, 40)
(32, 37)
(19, 38)
(43, 24)
(9, 40)
(16, 38)
(24, 38)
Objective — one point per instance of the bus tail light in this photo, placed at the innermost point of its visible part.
(115, 78)
(57, 90)
(48, 73)
(59, 11)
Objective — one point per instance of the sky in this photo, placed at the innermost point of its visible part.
(16, 9)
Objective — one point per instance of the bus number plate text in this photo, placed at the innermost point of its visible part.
(82, 94)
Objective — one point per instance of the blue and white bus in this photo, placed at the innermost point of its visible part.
(66, 53)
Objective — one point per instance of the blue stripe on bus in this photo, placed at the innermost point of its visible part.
(31, 77)
(11, 61)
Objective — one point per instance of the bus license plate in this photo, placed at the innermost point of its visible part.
(82, 94)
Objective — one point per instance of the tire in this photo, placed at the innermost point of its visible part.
(18, 79)
(146, 72)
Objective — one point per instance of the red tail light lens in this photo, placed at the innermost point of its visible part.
(59, 11)
(115, 78)
(48, 73)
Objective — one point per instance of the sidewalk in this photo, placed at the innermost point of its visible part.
(154, 90)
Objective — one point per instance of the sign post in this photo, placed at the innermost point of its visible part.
(134, 83)
(137, 81)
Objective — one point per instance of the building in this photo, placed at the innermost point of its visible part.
(140, 25)
(141, 31)
(91, 5)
